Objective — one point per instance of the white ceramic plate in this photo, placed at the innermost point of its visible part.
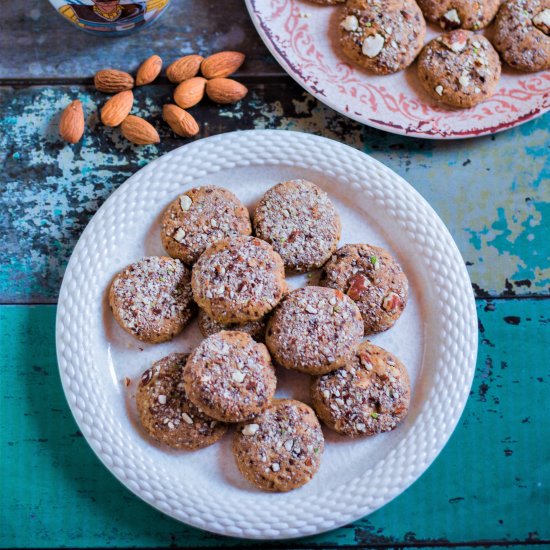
(436, 338)
(303, 37)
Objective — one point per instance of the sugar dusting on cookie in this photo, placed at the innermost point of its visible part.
(459, 68)
(299, 220)
(201, 217)
(521, 34)
(230, 376)
(371, 277)
(239, 279)
(382, 35)
(151, 296)
(369, 395)
(314, 330)
(281, 449)
(166, 412)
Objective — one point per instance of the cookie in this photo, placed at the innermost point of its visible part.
(230, 377)
(165, 411)
(522, 34)
(459, 14)
(315, 330)
(152, 300)
(327, 2)
(199, 218)
(369, 395)
(299, 220)
(372, 279)
(281, 449)
(459, 68)
(209, 326)
(382, 36)
(238, 280)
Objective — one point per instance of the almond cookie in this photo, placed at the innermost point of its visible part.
(199, 218)
(281, 449)
(238, 280)
(459, 68)
(230, 377)
(315, 330)
(372, 279)
(456, 14)
(300, 222)
(165, 411)
(209, 326)
(522, 34)
(152, 300)
(382, 36)
(370, 395)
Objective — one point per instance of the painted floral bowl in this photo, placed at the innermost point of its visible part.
(110, 17)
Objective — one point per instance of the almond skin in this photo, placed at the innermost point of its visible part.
(225, 90)
(181, 122)
(117, 108)
(71, 124)
(112, 81)
(221, 64)
(139, 131)
(190, 92)
(184, 68)
(149, 70)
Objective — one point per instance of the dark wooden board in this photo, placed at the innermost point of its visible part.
(36, 42)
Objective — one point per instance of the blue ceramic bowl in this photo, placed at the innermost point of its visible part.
(110, 17)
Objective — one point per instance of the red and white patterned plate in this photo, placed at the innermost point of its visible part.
(303, 38)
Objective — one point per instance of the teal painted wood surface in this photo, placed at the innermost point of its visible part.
(489, 191)
(491, 482)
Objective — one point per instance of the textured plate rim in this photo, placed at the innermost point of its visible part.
(459, 320)
(387, 127)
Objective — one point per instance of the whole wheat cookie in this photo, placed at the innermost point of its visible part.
(165, 411)
(299, 220)
(151, 299)
(459, 68)
(373, 279)
(370, 395)
(281, 449)
(209, 326)
(315, 330)
(200, 217)
(238, 280)
(382, 36)
(522, 34)
(459, 14)
(230, 377)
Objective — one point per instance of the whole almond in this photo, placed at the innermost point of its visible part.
(225, 90)
(190, 92)
(184, 68)
(117, 108)
(71, 124)
(139, 131)
(113, 81)
(149, 70)
(222, 64)
(181, 122)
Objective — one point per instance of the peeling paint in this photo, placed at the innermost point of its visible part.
(488, 191)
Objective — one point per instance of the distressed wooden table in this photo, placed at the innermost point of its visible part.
(491, 484)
